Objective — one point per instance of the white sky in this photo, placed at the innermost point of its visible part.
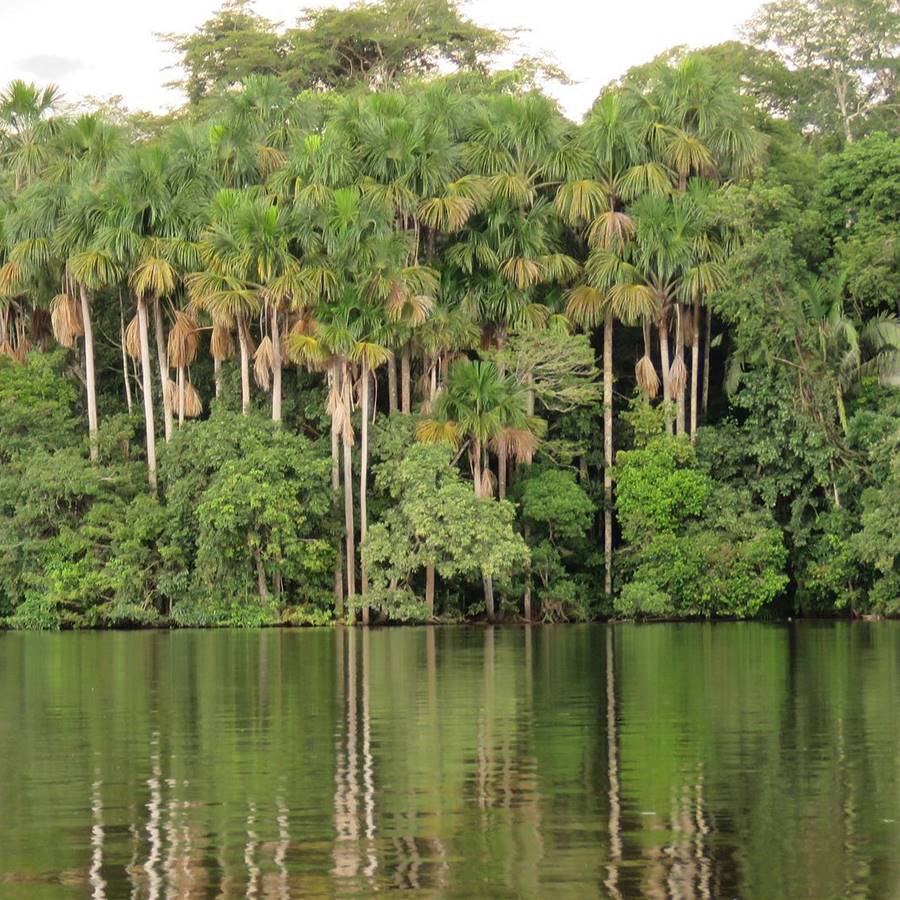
(107, 47)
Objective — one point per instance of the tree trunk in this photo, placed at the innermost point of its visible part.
(346, 437)
(405, 392)
(607, 450)
(180, 396)
(335, 489)
(487, 580)
(679, 355)
(90, 376)
(664, 365)
(163, 363)
(706, 349)
(392, 383)
(502, 467)
(245, 366)
(217, 376)
(695, 370)
(429, 589)
(489, 597)
(276, 368)
(526, 603)
(260, 575)
(125, 372)
(363, 484)
(149, 426)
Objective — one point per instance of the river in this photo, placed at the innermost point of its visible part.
(730, 760)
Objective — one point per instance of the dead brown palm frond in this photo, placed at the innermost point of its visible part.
(647, 379)
(678, 375)
(518, 443)
(183, 340)
(65, 319)
(263, 363)
(21, 352)
(193, 405)
(687, 327)
(172, 393)
(487, 483)
(41, 327)
(221, 345)
(133, 339)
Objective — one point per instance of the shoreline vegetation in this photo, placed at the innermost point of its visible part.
(369, 332)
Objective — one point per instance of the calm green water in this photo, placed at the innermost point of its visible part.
(738, 760)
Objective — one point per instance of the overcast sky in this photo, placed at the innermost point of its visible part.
(108, 47)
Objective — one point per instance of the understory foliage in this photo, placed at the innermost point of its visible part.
(370, 331)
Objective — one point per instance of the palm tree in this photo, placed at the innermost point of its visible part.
(619, 170)
(26, 128)
(477, 408)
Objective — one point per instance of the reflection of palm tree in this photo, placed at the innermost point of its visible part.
(612, 762)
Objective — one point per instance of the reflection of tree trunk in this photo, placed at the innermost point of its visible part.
(97, 881)
(346, 804)
(405, 386)
(368, 763)
(276, 368)
(90, 377)
(392, 383)
(163, 362)
(607, 450)
(695, 369)
(612, 761)
(149, 426)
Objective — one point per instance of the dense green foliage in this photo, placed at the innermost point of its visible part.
(352, 338)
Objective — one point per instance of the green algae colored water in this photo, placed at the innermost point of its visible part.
(731, 760)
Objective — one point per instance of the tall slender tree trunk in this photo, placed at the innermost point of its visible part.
(180, 396)
(364, 485)
(695, 370)
(260, 575)
(149, 425)
(333, 377)
(405, 388)
(89, 373)
(392, 383)
(162, 359)
(487, 580)
(429, 589)
(679, 355)
(217, 376)
(125, 373)
(663, 329)
(607, 450)
(346, 437)
(526, 602)
(706, 349)
(276, 368)
(245, 365)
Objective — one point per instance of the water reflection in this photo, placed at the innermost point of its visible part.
(751, 761)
